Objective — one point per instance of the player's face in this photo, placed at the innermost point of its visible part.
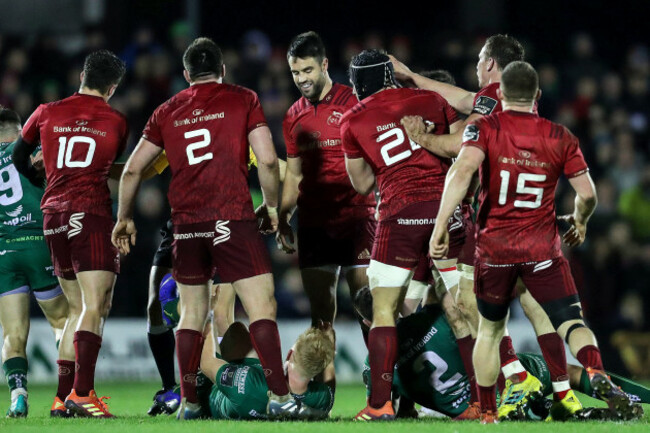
(309, 75)
(481, 69)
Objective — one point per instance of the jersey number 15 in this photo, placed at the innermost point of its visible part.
(522, 189)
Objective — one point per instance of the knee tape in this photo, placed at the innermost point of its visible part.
(416, 290)
(571, 329)
(383, 275)
(563, 310)
(466, 271)
(450, 276)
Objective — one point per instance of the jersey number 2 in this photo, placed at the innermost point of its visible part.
(203, 142)
(522, 189)
(440, 368)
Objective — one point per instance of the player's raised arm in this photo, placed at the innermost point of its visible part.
(585, 204)
(457, 182)
(461, 99)
(124, 231)
(290, 192)
(267, 169)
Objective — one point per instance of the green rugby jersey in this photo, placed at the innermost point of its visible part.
(21, 219)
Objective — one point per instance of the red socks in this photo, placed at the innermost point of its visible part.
(66, 378)
(86, 348)
(266, 341)
(488, 398)
(589, 357)
(189, 344)
(466, 347)
(510, 365)
(553, 350)
(382, 342)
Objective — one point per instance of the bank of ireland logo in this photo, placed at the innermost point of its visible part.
(81, 122)
(15, 212)
(197, 112)
(222, 232)
(75, 224)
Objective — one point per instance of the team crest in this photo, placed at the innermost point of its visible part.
(335, 118)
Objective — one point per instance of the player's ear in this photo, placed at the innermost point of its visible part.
(186, 75)
(81, 77)
(491, 64)
(223, 71)
(324, 64)
(538, 95)
(111, 91)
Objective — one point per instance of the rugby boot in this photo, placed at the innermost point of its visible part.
(516, 395)
(489, 417)
(19, 406)
(619, 403)
(165, 401)
(472, 412)
(59, 410)
(385, 413)
(88, 407)
(567, 408)
(282, 406)
(189, 411)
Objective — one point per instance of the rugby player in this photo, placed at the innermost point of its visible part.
(25, 266)
(205, 131)
(336, 225)
(378, 151)
(429, 370)
(81, 136)
(518, 236)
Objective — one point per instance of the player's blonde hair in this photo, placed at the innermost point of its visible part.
(313, 351)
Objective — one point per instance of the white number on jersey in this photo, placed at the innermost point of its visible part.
(11, 191)
(65, 152)
(204, 142)
(398, 139)
(522, 189)
(440, 367)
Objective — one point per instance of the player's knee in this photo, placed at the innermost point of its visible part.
(15, 340)
(563, 310)
(383, 275)
(492, 312)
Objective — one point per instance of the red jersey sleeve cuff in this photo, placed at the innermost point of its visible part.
(578, 173)
(473, 144)
(152, 141)
(255, 126)
(353, 155)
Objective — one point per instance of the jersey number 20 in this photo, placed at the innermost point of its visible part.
(398, 139)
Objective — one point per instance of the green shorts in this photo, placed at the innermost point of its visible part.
(240, 391)
(28, 268)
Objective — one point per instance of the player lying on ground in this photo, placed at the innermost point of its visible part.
(25, 266)
(430, 372)
(240, 390)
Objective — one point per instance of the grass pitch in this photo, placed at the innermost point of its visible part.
(130, 402)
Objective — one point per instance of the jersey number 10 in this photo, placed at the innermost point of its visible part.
(522, 189)
(66, 146)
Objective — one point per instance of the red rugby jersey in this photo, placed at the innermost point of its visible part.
(81, 136)
(204, 131)
(312, 132)
(405, 172)
(524, 157)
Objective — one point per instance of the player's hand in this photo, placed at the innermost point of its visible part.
(38, 164)
(267, 219)
(402, 72)
(576, 234)
(414, 126)
(439, 242)
(123, 235)
(284, 236)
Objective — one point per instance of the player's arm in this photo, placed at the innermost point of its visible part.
(445, 145)
(124, 231)
(209, 363)
(21, 157)
(268, 171)
(585, 204)
(460, 99)
(361, 175)
(292, 179)
(457, 182)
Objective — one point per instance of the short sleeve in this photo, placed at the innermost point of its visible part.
(31, 131)
(450, 113)
(475, 134)
(349, 142)
(256, 116)
(152, 132)
(486, 101)
(574, 161)
(289, 140)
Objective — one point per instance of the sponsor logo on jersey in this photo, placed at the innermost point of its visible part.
(484, 105)
(470, 134)
(75, 223)
(524, 154)
(18, 220)
(15, 212)
(199, 118)
(415, 221)
(223, 232)
(48, 232)
(81, 122)
(195, 235)
(3, 252)
(335, 118)
(197, 112)
(381, 128)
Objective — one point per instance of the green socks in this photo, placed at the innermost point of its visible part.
(16, 372)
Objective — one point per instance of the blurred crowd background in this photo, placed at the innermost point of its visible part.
(595, 84)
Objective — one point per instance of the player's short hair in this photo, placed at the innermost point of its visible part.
(313, 351)
(504, 49)
(9, 122)
(308, 44)
(102, 69)
(363, 303)
(370, 71)
(440, 75)
(202, 58)
(519, 82)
